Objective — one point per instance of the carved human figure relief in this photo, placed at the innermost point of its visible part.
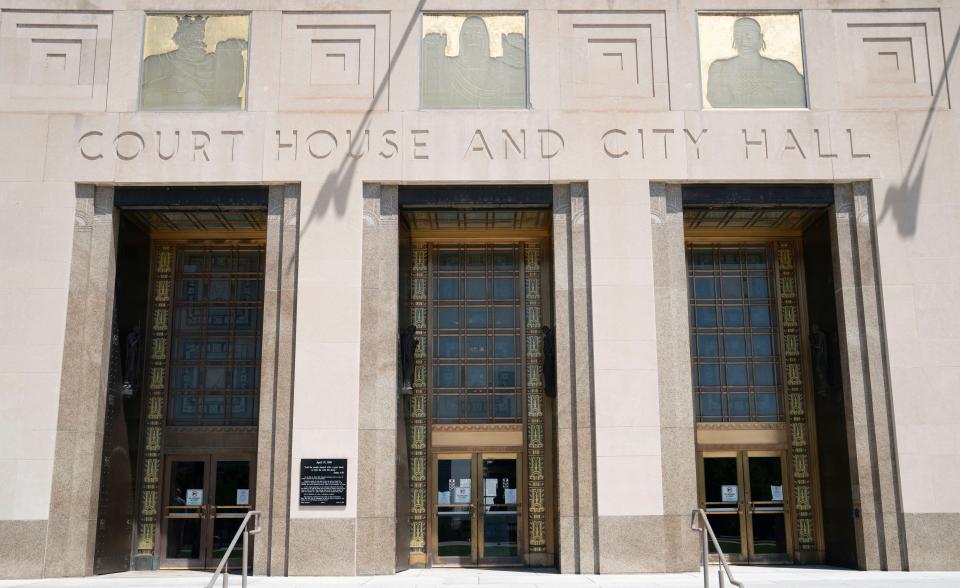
(477, 74)
(205, 69)
(751, 78)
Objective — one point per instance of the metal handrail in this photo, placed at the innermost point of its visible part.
(243, 530)
(707, 531)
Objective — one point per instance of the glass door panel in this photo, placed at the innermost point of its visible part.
(721, 495)
(183, 513)
(455, 533)
(454, 522)
(500, 510)
(768, 536)
(232, 497)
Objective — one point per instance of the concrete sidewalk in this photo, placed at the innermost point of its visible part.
(799, 577)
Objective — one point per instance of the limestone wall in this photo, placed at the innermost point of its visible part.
(879, 111)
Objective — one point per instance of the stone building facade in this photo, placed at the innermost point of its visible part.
(508, 283)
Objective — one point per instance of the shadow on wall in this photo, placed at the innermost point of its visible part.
(903, 199)
(336, 188)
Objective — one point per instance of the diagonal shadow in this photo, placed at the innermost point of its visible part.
(903, 200)
(335, 190)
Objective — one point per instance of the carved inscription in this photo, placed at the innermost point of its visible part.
(789, 144)
(490, 144)
(195, 145)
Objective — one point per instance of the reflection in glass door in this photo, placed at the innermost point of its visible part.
(231, 501)
(721, 500)
(454, 521)
(184, 513)
(500, 513)
(476, 509)
(766, 508)
(743, 495)
(205, 501)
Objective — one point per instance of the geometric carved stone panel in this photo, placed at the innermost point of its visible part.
(54, 60)
(335, 61)
(890, 59)
(612, 59)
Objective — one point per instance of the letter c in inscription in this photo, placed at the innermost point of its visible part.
(321, 155)
(125, 157)
(606, 147)
(83, 151)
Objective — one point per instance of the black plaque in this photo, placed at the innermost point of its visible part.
(323, 482)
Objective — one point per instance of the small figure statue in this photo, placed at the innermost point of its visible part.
(751, 80)
(131, 361)
(408, 346)
(190, 78)
(820, 347)
(549, 363)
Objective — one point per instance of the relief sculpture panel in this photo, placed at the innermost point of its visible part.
(613, 60)
(56, 61)
(194, 62)
(889, 59)
(751, 60)
(474, 61)
(334, 60)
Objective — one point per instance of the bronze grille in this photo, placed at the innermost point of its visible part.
(475, 347)
(216, 333)
(733, 333)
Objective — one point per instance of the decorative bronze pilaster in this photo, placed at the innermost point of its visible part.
(535, 426)
(797, 417)
(156, 385)
(417, 405)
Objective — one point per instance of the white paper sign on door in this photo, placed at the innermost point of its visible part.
(510, 495)
(461, 496)
(194, 497)
(443, 497)
(728, 493)
(489, 486)
(243, 496)
(465, 482)
(776, 493)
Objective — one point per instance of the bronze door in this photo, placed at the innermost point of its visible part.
(499, 501)
(477, 509)
(743, 493)
(205, 500)
(115, 512)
